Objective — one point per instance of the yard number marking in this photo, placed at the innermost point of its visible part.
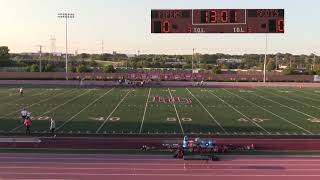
(257, 120)
(314, 120)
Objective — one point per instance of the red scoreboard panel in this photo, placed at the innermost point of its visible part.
(217, 21)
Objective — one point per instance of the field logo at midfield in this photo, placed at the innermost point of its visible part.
(314, 120)
(173, 119)
(171, 100)
(257, 120)
(113, 119)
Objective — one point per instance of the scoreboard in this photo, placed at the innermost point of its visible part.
(217, 21)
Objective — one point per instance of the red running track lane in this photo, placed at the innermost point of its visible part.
(136, 167)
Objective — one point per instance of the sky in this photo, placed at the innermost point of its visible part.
(124, 26)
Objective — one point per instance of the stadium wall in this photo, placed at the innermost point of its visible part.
(163, 76)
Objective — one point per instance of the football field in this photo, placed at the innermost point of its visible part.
(252, 111)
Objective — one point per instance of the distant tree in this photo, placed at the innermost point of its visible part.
(93, 63)
(270, 65)
(109, 69)
(288, 71)
(225, 66)
(28, 68)
(4, 56)
(48, 68)
(82, 68)
(34, 68)
(186, 66)
(216, 70)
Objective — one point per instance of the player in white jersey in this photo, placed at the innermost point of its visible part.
(21, 91)
(24, 113)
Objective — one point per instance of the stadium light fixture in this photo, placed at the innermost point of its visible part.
(66, 16)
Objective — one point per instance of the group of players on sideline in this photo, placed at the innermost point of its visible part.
(27, 121)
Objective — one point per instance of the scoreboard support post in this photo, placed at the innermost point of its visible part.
(265, 60)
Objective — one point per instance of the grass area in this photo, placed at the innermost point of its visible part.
(262, 111)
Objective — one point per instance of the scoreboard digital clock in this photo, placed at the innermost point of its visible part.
(217, 21)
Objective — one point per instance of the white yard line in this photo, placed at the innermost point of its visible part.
(284, 119)
(144, 112)
(309, 98)
(175, 108)
(311, 93)
(292, 99)
(106, 120)
(207, 111)
(44, 100)
(284, 105)
(70, 119)
(14, 129)
(241, 113)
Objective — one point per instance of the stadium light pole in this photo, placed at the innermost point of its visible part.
(66, 16)
(265, 60)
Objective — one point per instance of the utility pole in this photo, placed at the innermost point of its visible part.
(277, 61)
(40, 55)
(192, 59)
(66, 16)
(102, 48)
(314, 61)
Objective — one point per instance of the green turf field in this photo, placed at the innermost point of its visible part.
(261, 111)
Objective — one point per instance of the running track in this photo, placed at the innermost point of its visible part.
(134, 167)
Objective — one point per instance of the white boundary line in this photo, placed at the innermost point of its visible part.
(14, 129)
(275, 94)
(44, 100)
(240, 113)
(70, 119)
(284, 119)
(284, 105)
(144, 112)
(175, 108)
(207, 111)
(105, 121)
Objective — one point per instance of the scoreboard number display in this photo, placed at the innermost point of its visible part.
(217, 21)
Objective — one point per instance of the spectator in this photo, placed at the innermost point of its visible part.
(52, 127)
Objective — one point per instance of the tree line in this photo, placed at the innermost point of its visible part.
(84, 62)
